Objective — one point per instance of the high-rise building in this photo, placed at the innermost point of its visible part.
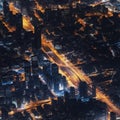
(36, 43)
(83, 89)
(66, 95)
(55, 81)
(34, 61)
(93, 91)
(27, 68)
(54, 69)
(112, 116)
(19, 22)
(36, 81)
(47, 68)
(55, 77)
(5, 8)
(64, 82)
(19, 27)
(72, 92)
(45, 91)
(40, 56)
(2, 92)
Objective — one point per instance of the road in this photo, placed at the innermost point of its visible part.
(32, 105)
(72, 73)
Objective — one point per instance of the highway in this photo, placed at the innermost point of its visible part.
(72, 73)
(66, 68)
(63, 64)
(32, 105)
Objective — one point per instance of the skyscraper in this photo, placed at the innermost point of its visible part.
(19, 27)
(34, 61)
(36, 43)
(93, 91)
(19, 22)
(83, 89)
(72, 92)
(5, 8)
(27, 69)
(54, 69)
(112, 116)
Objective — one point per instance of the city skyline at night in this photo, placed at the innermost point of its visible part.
(57, 55)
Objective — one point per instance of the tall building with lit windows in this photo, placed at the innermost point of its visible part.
(36, 43)
(83, 89)
(27, 69)
(5, 8)
(72, 92)
(112, 116)
(19, 22)
(34, 62)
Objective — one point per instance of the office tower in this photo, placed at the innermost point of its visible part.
(36, 43)
(40, 56)
(47, 67)
(31, 83)
(112, 116)
(47, 72)
(19, 22)
(72, 92)
(55, 77)
(5, 8)
(66, 95)
(64, 82)
(19, 27)
(55, 83)
(93, 91)
(45, 91)
(54, 68)
(34, 61)
(27, 68)
(36, 81)
(51, 71)
(83, 89)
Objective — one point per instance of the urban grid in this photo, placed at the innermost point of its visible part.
(59, 59)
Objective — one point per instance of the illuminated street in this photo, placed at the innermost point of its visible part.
(59, 60)
(74, 74)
